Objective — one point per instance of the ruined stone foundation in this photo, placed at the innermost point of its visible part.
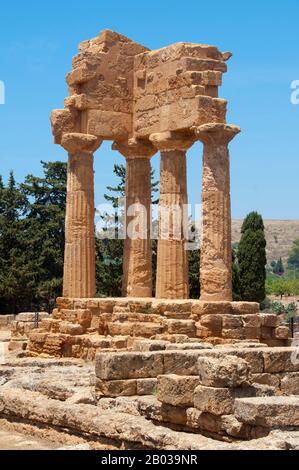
(80, 328)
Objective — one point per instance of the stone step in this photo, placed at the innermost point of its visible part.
(188, 346)
(133, 317)
(268, 412)
(132, 365)
(183, 327)
(135, 329)
(121, 309)
(178, 315)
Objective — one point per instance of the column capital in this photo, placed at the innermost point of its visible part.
(76, 142)
(172, 140)
(216, 133)
(134, 148)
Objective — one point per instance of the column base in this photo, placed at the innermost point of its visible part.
(80, 328)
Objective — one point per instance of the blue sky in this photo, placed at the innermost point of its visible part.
(38, 40)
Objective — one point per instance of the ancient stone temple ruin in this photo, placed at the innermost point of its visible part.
(181, 373)
(144, 102)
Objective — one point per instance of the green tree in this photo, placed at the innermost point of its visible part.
(278, 267)
(15, 279)
(252, 259)
(293, 261)
(44, 231)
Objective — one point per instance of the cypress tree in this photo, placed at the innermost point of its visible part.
(279, 268)
(252, 259)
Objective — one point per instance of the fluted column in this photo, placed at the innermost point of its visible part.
(137, 261)
(79, 261)
(216, 251)
(172, 258)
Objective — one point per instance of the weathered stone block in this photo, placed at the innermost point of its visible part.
(281, 360)
(269, 320)
(253, 321)
(290, 383)
(236, 333)
(188, 346)
(182, 327)
(176, 390)
(253, 356)
(282, 332)
(72, 329)
(225, 371)
(116, 388)
(213, 322)
(208, 422)
(180, 362)
(117, 366)
(200, 308)
(203, 332)
(266, 379)
(149, 345)
(231, 321)
(218, 401)
(268, 412)
(266, 332)
(245, 308)
(146, 386)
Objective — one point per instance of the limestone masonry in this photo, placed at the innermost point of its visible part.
(148, 101)
(139, 372)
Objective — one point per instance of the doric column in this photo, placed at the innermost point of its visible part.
(79, 261)
(137, 262)
(172, 259)
(216, 251)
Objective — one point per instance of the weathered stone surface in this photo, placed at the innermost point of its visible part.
(218, 401)
(118, 366)
(176, 390)
(181, 327)
(150, 345)
(268, 411)
(216, 278)
(116, 388)
(137, 264)
(227, 371)
(201, 308)
(188, 346)
(281, 360)
(180, 362)
(266, 379)
(282, 332)
(109, 424)
(79, 262)
(289, 383)
(172, 261)
(146, 386)
(253, 356)
(269, 320)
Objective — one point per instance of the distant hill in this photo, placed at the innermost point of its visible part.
(280, 235)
